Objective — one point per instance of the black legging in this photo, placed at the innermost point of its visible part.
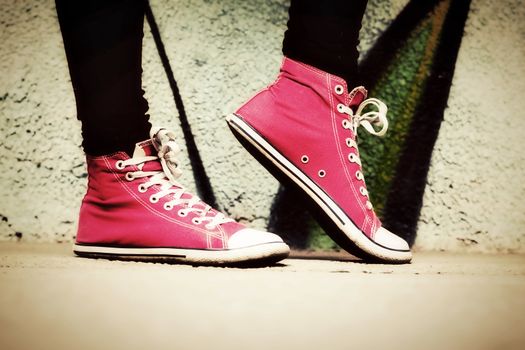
(103, 43)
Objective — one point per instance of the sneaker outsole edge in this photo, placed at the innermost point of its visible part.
(257, 255)
(335, 222)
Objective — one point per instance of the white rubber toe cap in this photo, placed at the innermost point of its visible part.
(390, 241)
(248, 237)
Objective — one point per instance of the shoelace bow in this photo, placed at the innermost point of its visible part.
(372, 117)
(167, 151)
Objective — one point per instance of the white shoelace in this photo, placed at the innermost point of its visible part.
(164, 142)
(373, 117)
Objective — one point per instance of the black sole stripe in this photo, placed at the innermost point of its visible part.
(81, 252)
(246, 135)
(295, 176)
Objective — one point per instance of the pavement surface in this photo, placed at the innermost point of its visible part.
(50, 299)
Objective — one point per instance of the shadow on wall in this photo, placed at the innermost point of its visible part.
(411, 65)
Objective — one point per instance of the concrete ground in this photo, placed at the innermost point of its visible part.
(52, 300)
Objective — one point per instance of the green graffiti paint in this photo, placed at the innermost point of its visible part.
(401, 87)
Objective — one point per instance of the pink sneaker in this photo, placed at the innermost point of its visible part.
(135, 209)
(303, 128)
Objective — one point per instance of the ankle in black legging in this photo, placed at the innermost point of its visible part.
(325, 34)
(103, 43)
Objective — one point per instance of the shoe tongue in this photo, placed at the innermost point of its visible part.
(146, 148)
(143, 149)
(357, 95)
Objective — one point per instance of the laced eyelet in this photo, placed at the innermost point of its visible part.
(130, 177)
(153, 199)
(352, 157)
(369, 205)
(305, 159)
(340, 108)
(142, 188)
(119, 165)
(349, 142)
(321, 173)
(363, 191)
(359, 175)
(339, 89)
(168, 206)
(182, 213)
(196, 221)
(346, 124)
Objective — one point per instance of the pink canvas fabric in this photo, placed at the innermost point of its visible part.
(298, 115)
(122, 211)
(135, 209)
(115, 212)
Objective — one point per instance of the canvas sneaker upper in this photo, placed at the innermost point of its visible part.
(312, 119)
(138, 202)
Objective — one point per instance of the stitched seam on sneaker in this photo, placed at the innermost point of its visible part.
(169, 196)
(267, 88)
(342, 158)
(107, 156)
(366, 223)
(153, 210)
(373, 228)
(224, 241)
(209, 245)
(322, 73)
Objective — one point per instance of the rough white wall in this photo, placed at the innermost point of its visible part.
(42, 165)
(221, 52)
(475, 197)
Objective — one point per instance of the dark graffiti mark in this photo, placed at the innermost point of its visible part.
(405, 199)
(202, 182)
(379, 57)
(290, 218)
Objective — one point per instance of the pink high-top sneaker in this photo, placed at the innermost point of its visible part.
(135, 209)
(303, 128)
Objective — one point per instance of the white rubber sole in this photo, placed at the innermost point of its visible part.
(262, 254)
(323, 201)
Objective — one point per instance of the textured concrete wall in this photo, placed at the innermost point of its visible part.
(475, 197)
(221, 52)
(42, 174)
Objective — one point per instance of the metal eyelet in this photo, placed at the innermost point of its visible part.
(142, 188)
(363, 191)
(305, 159)
(153, 199)
(119, 164)
(349, 142)
(321, 173)
(369, 205)
(129, 176)
(346, 124)
(182, 213)
(340, 108)
(196, 221)
(168, 206)
(339, 89)
(359, 175)
(352, 157)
